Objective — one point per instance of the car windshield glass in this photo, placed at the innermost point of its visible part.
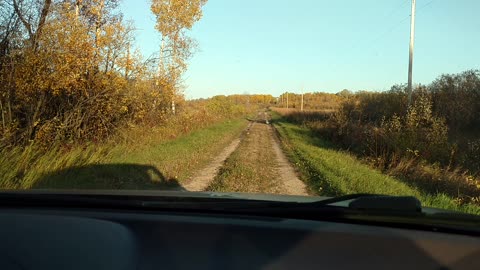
(271, 100)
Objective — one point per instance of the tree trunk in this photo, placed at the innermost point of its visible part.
(41, 21)
(34, 35)
(78, 3)
(36, 113)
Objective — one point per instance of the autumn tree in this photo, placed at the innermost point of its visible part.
(69, 70)
(174, 18)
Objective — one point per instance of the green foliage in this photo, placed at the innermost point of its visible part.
(330, 172)
(223, 106)
(419, 132)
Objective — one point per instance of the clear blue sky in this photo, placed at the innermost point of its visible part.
(272, 46)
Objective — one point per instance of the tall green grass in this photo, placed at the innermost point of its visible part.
(330, 172)
(117, 164)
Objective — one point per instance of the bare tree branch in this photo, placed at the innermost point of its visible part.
(26, 24)
(43, 17)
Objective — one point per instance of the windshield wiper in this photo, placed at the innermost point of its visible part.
(374, 202)
(357, 203)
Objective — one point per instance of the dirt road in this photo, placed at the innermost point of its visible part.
(254, 162)
(205, 176)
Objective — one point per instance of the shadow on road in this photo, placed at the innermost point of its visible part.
(108, 176)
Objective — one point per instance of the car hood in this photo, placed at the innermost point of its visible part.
(173, 194)
(200, 195)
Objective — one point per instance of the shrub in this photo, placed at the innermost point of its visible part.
(419, 133)
(456, 97)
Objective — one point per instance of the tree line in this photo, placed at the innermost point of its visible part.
(434, 144)
(311, 101)
(442, 125)
(69, 70)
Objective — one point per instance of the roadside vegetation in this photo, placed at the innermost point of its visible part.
(312, 101)
(75, 92)
(329, 171)
(432, 147)
(139, 158)
(69, 71)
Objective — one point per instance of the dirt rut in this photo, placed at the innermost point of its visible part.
(283, 176)
(291, 183)
(205, 176)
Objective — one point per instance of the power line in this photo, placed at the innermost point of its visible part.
(388, 31)
(399, 7)
(427, 4)
(394, 27)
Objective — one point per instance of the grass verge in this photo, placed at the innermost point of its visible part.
(144, 163)
(330, 172)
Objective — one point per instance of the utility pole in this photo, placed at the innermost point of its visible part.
(410, 60)
(287, 100)
(301, 104)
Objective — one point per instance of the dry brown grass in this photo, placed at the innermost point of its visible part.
(285, 111)
(455, 183)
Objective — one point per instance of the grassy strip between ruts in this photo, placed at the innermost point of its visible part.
(252, 166)
(142, 164)
(330, 172)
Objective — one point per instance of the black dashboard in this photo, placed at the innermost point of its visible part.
(46, 238)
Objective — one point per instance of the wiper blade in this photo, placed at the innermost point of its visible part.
(353, 203)
(343, 198)
(375, 202)
(402, 203)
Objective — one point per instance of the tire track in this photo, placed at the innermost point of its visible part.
(291, 183)
(254, 162)
(205, 176)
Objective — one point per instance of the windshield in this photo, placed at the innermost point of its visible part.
(308, 98)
